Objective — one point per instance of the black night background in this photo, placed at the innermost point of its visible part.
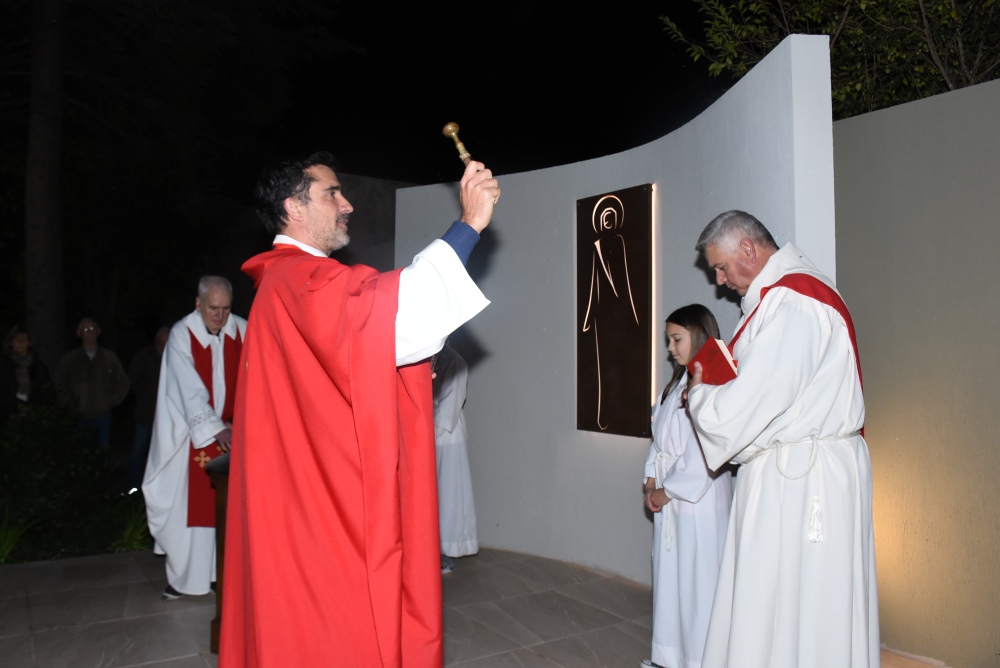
(143, 163)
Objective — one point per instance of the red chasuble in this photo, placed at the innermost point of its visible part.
(332, 555)
(201, 496)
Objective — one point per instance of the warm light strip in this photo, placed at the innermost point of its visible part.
(655, 280)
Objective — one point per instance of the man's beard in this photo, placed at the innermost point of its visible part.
(340, 239)
(335, 240)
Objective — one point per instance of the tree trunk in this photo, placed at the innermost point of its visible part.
(43, 257)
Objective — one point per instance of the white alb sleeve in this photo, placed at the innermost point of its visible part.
(436, 297)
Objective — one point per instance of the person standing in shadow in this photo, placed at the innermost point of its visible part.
(92, 380)
(144, 375)
(21, 373)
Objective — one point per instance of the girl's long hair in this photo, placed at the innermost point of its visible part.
(700, 322)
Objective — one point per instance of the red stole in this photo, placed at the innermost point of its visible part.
(201, 496)
(812, 287)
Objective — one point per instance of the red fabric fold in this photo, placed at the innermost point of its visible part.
(332, 539)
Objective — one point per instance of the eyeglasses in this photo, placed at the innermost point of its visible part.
(88, 329)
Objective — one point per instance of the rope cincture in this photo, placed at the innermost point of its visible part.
(660, 471)
(815, 527)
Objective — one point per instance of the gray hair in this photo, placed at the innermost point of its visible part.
(208, 282)
(725, 224)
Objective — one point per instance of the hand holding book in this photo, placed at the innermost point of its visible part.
(717, 364)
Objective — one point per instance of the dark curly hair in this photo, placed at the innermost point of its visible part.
(281, 180)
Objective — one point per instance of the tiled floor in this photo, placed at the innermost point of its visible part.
(502, 610)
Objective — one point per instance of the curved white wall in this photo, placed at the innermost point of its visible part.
(541, 486)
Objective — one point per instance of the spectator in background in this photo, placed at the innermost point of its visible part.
(93, 381)
(144, 375)
(21, 373)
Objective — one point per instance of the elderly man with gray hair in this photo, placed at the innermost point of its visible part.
(192, 426)
(797, 583)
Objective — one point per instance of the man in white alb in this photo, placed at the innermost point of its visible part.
(192, 426)
(456, 505)
(797, 584)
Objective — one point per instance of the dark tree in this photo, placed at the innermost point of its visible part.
(146, 123)
(882, 52)
(43, 261)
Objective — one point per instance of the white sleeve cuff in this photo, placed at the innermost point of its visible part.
(436, 297)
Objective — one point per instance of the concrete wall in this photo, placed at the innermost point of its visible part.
(541, 486)
(918, 235)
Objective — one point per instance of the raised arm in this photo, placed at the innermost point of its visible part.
(436, 294)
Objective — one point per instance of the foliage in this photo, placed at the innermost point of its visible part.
(10, 534)
(60, 494)
(135, 535)
(882, 52)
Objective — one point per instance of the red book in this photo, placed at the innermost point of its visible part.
(717, 364)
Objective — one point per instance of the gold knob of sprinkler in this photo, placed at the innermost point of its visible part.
(451, 130)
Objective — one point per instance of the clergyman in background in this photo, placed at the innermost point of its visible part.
(193, 426)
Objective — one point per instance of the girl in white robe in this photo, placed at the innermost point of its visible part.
(690, 505)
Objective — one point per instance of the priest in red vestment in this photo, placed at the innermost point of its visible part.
(332, 531)
(191, 427)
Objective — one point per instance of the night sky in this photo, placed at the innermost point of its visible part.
(531, 84)
(170, 110)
